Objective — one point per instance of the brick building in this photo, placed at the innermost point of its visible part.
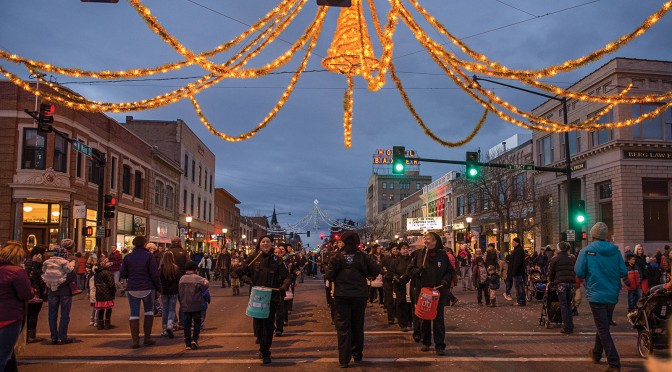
(227, 216)
(49, 192)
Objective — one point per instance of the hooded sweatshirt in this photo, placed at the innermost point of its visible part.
(602, 265)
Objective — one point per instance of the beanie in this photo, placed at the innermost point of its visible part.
(190, 266)
(60, 252)
(67, 244)
(599, 231)
(517, 240)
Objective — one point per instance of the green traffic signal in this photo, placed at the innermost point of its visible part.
(580, 211)
(473, 168)
(398, 160)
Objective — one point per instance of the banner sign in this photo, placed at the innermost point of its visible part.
(422, 223)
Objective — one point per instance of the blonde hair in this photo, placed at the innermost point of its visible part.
(13, 253)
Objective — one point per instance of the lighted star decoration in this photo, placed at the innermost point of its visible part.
(351, 54)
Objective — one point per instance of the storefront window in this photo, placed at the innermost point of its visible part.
(55, 214)
(35, 213)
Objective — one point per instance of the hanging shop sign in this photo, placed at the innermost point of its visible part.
(424, 223)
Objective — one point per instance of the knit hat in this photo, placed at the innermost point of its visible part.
(190, 266)
(67, 244)
(517, 240)
(60, 252)
(599, 231)
(350, 238)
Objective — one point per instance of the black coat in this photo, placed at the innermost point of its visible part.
(348, 271)
(561, 269)
(431, 268)
(171, 286)
(266, 270)
(181, 258)
(105, 286)
(517, 262)
(491, 259)
(399, 277)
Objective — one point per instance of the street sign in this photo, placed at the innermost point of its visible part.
(520, 166)
(81, 147)
(571, 235)
(100, 231)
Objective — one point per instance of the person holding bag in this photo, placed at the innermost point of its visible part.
(431, 268)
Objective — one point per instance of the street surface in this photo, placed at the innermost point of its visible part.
(505, 338)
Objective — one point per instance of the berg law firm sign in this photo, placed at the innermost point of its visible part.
(639, 154)
(424, 223)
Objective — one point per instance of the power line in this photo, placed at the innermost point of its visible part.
(511, 6)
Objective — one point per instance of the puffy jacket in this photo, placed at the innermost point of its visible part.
(561, 269)
(602, 265)
(15, 290)
(191, 296)
(348, 271)
(140, 268)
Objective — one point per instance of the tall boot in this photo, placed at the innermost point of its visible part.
(149, 319)
(108, 325)
(135, 332)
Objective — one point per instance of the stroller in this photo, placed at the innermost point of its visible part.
(536, 284)
(550, 311)
(651, 321)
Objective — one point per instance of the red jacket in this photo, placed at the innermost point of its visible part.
(81, 267)
(116, 259)
(15, 290)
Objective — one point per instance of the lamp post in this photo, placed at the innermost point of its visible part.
(244, 245)
(188, 219)
(467, 236)
(568, 166)
(396, 236)
(224, 231)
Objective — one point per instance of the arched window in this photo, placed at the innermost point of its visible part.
(158, 193)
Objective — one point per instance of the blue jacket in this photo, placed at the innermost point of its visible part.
(140, 268)
(602, 265)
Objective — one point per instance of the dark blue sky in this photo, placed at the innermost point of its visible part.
(300, 156)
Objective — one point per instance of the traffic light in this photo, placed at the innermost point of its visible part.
(87, 231)
(110, 206)
(46, 117)
(580, 212)
(338, 3)
(398, 160)
(473, 169)
(308, 234)
(322, 236)
(337, 237)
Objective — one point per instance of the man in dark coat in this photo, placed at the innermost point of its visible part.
(563, 279)
(517, 271)
(432, 269)
(223, 265)
(180, 255)
(387, 262)
(348, 271)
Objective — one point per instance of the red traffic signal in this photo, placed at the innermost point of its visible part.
(87, 231)
(322, 236)
(45, 117)
(337, 237)
(110, 206)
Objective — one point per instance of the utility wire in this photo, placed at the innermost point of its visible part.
(518, 9)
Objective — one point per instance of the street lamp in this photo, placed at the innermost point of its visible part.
(467, 236)
(396, 236)
(224, 231)
(188, 219)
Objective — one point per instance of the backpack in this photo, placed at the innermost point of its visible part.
(633, 277)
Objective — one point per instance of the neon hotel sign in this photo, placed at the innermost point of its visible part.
(385, 157)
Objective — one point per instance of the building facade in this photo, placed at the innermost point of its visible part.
(227, 216)
(49, 192)
(386, 190)
(624, 174)
(196, 192)
(165, 185)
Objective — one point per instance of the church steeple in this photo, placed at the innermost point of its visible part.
(274, 218)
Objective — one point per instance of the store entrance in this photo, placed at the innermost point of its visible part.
(33, 236)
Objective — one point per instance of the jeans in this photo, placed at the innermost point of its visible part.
(60, 331)
(190, 317)
(465, 272)
(8, 336)
(519, 284)
(565, 295)
(350, 327)
(602, 315)
(147, 305)
(508, 284)
(81, 281)
(168, 314)
(633, 298)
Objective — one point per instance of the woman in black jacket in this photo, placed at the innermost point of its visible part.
(348, 271)
(33, 267)
(105, 291)
(266, 270)
(562, 277)
(170, 275)
(431, 268)
(399, 280)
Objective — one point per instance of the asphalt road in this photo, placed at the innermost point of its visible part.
(505, 338)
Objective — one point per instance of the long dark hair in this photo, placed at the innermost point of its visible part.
(168, 267)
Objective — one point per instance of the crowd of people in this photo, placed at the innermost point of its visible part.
(174, 283)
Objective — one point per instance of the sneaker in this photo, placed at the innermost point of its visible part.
(194, 345)
(440, 352)
(187, 348)
(164, 333)
(91, 324)
(170, 333)
(345, 365)
(425, 348)
(507, 297)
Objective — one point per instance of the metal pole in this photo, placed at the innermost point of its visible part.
(568, 165)
(99, 159)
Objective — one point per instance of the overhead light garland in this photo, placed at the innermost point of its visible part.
(351, 54)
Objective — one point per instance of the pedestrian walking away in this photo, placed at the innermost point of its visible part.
(348, 271)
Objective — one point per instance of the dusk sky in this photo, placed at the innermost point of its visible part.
(300, 156)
